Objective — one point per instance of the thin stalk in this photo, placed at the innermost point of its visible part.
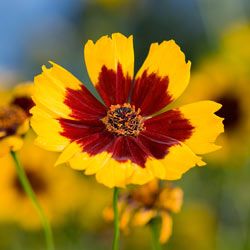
(155, 232)
(116, 220)
(30, 193)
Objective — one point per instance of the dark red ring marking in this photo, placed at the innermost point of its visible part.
(161, 132)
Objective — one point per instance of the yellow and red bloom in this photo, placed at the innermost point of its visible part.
(224, 78)
(215, 79)
(13, 124)
(127, 138)
(14, 117)
(21, 96)
(139, 206)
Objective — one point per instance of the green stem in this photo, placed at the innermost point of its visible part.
(116, 220)
(155, 232)
(30, 193)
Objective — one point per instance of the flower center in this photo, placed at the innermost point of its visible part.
(146, 199)
(230, 111)
(124, 120)
(11, 117)
(24, 102)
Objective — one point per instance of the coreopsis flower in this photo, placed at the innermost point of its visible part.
(21, 96)
(139, 206)
(58, 199)
(14, 117)
(216, 79)
(126, 137)
(13, 124)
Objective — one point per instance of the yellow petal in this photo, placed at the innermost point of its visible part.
(68, 153)
(50, 89)
(167, 60)
(23, 128)
(166, 228)
(115, 174)
(171, 199)
(207, 126)
(156, 167)
(143, 216)
(90, 163)
(108, 171)
(48, 129)
(109, 52)
(125, 218)
(178, 161)
(141, 175)
(79, 161)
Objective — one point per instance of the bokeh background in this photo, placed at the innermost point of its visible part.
(215, 36)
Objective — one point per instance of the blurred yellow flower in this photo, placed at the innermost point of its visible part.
(21, 96)
(139, 206)
(220, 81)
(13, 124)
(59, 191)
(14, 114)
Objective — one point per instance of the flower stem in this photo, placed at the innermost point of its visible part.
(30, 193)
(116, 220)
(154, 225)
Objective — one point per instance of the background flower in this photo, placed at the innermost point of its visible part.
(55, 188)
(224, 78)
(21, 96)
(139, 206)
(14, 117)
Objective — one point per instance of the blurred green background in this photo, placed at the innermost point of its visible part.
(215, 36)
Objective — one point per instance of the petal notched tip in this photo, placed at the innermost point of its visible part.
(113, 36)
(51, 64)
(118, 35)
(89, 43)
(173, 45)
